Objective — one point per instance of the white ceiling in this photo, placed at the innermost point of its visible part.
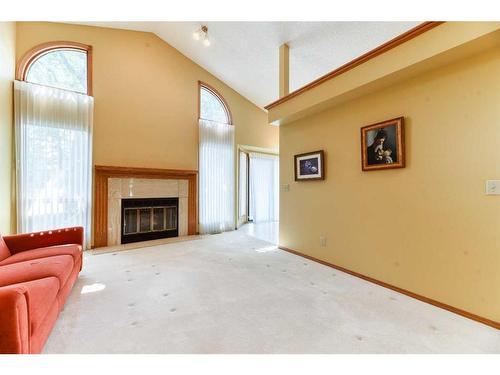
(245, 54)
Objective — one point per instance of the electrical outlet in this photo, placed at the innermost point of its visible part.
(322, 241)
(493, 187)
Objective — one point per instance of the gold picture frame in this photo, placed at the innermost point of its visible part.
(383, 145)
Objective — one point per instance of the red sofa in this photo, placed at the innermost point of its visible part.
(37, 272)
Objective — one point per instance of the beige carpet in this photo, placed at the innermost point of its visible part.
(232, 293)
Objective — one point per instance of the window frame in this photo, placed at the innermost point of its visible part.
(42, 49)
(206, 86)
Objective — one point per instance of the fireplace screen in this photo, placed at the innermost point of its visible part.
(146, 219)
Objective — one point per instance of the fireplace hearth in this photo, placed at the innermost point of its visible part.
(144, 219)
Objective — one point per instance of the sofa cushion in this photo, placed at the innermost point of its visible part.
(74, 250)
(4, 250)
(64, 292)
(59, 266)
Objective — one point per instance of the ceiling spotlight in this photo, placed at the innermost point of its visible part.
(202, 34)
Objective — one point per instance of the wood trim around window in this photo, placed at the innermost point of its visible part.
(103, 173)
(34, 53)
(410, 34)
(218, 95)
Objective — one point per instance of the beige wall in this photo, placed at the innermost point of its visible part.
(428, 228)
(7, 70)
(146, 97)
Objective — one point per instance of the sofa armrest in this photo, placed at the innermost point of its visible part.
(28, 241)
(14, 320)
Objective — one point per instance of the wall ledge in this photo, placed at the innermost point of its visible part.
(441, 44)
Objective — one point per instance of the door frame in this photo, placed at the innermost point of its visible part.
(247, 150)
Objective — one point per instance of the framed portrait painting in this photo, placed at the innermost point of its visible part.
(383, 145)
(310, 166)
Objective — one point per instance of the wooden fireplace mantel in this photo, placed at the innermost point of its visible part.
(101, 175)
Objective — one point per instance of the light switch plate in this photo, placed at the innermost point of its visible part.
(493, 187)
(286, 187)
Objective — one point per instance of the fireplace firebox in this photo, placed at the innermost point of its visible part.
(146, 219)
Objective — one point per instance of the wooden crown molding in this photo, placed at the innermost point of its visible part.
(430, 301)
(103, 173)
(410, 34)
(34, 53)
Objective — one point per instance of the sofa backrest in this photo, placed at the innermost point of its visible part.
(4, 250)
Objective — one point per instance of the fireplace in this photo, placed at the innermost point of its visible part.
(144, 219)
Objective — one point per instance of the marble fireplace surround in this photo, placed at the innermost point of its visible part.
(114, 183)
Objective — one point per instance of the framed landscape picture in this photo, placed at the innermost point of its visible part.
(310, 166)
(383, 145)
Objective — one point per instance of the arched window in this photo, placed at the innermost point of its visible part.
(53, 126)
(213, 107)
(64, 65)
(216, 163)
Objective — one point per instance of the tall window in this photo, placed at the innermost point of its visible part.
(216, 163)
(53, 118)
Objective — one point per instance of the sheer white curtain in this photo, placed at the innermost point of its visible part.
(54, 158)
(243, 188)
(216, 177)
(264, 188)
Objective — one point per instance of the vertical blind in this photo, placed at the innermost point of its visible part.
(53, 158)
(264, 188)
(242, 187)
(216, 171)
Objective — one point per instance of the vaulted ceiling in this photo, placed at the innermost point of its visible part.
(245, 54)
